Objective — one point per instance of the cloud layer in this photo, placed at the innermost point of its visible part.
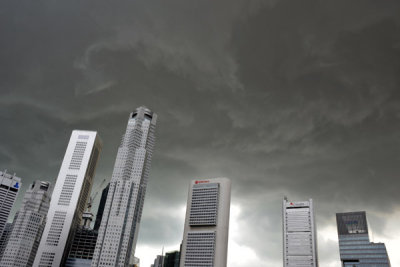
(285, 98)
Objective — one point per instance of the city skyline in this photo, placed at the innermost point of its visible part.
(295, 98)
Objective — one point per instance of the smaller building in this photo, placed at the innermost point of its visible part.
(158, 262)
(356, 250)
(171, 259)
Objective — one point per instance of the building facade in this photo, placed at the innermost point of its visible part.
(100, 210)
(299, 234)
(4, 238)
(9, 188)
(28, 226)
(82, 249)
(171, 259)
(119, 227)
(69, 199)
(205, 237)
(356, 250)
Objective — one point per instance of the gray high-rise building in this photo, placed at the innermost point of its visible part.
(9, 188)
(4, 238)
(28, 225)
(119, 227)
(299, 234)
(356, 250)
(70, 197)
(205, 237)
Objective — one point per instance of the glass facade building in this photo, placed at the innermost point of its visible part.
(356, 250)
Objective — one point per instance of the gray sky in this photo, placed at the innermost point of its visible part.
(296, 98)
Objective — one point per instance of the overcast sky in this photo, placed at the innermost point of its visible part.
(295, 98)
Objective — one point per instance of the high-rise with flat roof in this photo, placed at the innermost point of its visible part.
(69, 199)
(9, 188)
(299, 234)
(4, 238)
(28, 225)
(356, 250)
(122, 213)
(205, 237)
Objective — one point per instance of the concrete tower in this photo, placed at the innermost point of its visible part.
(9, 188)
(71, 193)
(299, 234)
(205, 237)
(28, 226)
(119, 226)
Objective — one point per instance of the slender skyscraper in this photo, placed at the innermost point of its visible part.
(28, 226)
(71, 193)
(9, 187)
(355, 248)
(205, 237)
(299, 234)
(119, 227)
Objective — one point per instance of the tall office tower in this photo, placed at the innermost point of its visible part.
(9, 187)
(119, 227)
(355, 247)
(71, 193)
(171, 259)
(4, 238)
(205, 237)
(100, 210)
(28, 226)
(299, 234)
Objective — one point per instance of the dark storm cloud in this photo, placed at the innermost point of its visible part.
(284, 97)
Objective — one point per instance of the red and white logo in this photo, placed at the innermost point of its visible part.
(201, 182)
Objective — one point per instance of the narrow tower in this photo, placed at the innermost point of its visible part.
(205, 237)
(119, 226)
(299, 234)
(28, 226)
(71, 193)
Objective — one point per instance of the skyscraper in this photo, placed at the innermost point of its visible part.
(205, 237)
(82, 249)
(299, 234)
(9, 188)
(71, 193)
(355, 246)
(119, 227)
(28, 226)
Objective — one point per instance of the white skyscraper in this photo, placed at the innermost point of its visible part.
(299, 234)
(205, 237)
(9, 187)
(119, 227)
(28, 225)
(70, 195)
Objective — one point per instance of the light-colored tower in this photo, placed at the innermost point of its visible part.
(9, 188)
(28, 226)
(71, 193)
(119, 227)
(205, 237)
(299, 234)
